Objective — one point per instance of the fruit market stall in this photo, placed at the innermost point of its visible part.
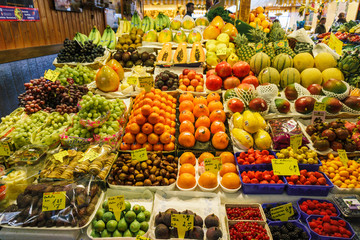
(211, 128)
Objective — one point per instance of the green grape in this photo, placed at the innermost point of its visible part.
(80, 74)
(78, 130)
(10, 120)
(93, 106)
(108, 129)
(117, 108)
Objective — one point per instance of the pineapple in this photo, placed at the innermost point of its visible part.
(269, 50)
(257, 35)
(286, 50)
(276, 33)
(244, 50)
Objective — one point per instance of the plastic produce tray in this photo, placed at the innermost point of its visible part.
(257, 188)
(304, 215)
(255, 167)
(297, 215)
(264, 224)
(302, 226)
(252, 205)
(310, 167)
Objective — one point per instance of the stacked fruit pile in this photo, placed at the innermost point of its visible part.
(258, 19)
(74, 51)
(191, 81)
(131, 40)
(167, 81)
(133, 58)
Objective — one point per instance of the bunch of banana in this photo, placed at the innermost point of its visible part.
(80, 37)
(108, 38)
(135, 20)
(147, 24)
(124, 27)
(161, 21)
(95, 35)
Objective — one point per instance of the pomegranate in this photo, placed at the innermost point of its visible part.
(223, 69)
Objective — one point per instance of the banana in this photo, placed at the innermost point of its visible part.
(105, 39)
(112, 42)
(94, 35)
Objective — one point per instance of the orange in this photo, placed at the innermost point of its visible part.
(129, 138)
(134, 128)
(173, 131)
(157, 104)
(168, 109)
(212, 97)
(147, 128)
(194, 83)
(204, 155)
(191, 75)
(173, 117)
(186, 181)
(201, 110)
(125, 146)
(162, 120)
(230, 180)
(182, 87)
(146, 110)
(187, 126)
(186, 96)
(217, 126)
(217, 115)
(199, 99)
(165, 138)
(190, 89)
(202, 121)
(141, 138)
(147, 101)
(202, 134)
(135, 146)
(186, 139)
(153, 118)
(215, 105)
(147, 146)
(227, 157)
(187, 168)
(140, 119)
(220, 140)
(199, 88)
(169, 147)
(186, 105)
(186, 115)
(226, 168)
(158, 147)
(153, 138)
(187, 157)
(208, 180)
(159, 128)
(186, 81)
(150, 95)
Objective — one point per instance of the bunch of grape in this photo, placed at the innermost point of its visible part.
(117, 109)
(21, 136)
(75, 51)
(109, 128)
(80, 74)
(10, 120)
(42, 94)
(93, 107)
(78, 130)
(51, 130)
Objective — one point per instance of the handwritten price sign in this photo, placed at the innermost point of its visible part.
(146, 82)
(90, 155)
(116, 205)
(213, 164)
(183, 223)
(282, 212)
(51, 75)
(285, 167)
(60, 155)
(343, 157)
(139, 155)
(296, 141)
(53, 201)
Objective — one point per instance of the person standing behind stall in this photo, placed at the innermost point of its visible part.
(341, 18)
(189, 9)
(320, 28)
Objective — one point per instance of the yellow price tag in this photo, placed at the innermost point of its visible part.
(221, 51)
(296, 141)
(343, 157)
(116, 205)
(132, 80)
(319, 106)
(183, 223)
(4, 149)
(139, 155)
(138, 237)
(60, 155)
(90, 155)
(53, 201)
(335, 44)
(318, 114)
(282, 212)
(146, 82)
(285, 167)
(213, 164)
(51, 75)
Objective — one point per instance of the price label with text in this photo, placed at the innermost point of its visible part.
(4, 149)
(116, 205)
(90, 155)
(183, 223)
(132, 80)
(259, 47)
(51, 75)
(343, 157)
(319, 106)
(138, 237)
(221, 51)
(335, 44)
(53, 201)
(318, 114)
(282, 212)
(285, 167)
(60, 155)
(146, 82)
(296, 141)
(213, 164)
(139, 155)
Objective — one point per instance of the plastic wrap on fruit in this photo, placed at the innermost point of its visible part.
(74, 142)
(8, 122)
(76, 202)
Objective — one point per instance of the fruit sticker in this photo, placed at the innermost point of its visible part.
(282, 212)
(53, 201)
(343, 157)
(259, 47)
(116, 205)
(183, 223)
(296, 141)
(285, 167)
(213, 164)
(139, 155)
(60, 155)
(335, 44)
(51, 75)
(146, 82)
(4, 149)
(132, 80)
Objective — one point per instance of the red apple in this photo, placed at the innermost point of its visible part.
(185, 71)
(241, 69)
(236, 105)
(223, 69)
(251, 80)
(210, 72)
(315, 89)
(213, 82)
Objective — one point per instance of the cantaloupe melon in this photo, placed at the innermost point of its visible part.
(282, 61)
(259, 61)
(269, 75)
(289, 76)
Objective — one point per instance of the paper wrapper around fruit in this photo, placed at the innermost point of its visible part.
(246, 95)
(267, 92)
(341, 96)
(347, 109)
(74, 142)
(110, 140)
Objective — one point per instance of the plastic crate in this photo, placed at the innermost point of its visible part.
(297, 215)
(310, 167)
(309, 190)
(255, 167)
(257, 188)
(298, 224)
(304, 215)
(316, 236)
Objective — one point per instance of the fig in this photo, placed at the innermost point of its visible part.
(167, 219)
(196, 233)
(211, 221)
(162, 232)
(213, 233)
(198, 221)
(159, 218)
(187, 212)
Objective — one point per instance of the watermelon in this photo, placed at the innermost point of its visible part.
(282, 61)
(259, 61)
(289, 76)
(269, 75)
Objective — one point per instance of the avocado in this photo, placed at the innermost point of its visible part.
(149, 63)
(129, 64)
(134, 56)
(145, 56)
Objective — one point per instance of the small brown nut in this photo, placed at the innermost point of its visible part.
(165, 182)
(153, 169)
(125, 169)
(131, 177)
(129, 183)
(172, 180)
(139, 184)
(139, 177)
(143, 165)
(138, 166)
(147, 182)
(166, 163)
(163, 172)
(156, 183)
(157, 173)
(153, 157)
(136, 172)
(134, 163)
(170, 158)
(172, 175)
(167, 175)
(123, 176)
(157, 163)
(170, 169)
(152, 178)
(146, 173)
(149, 162)
(159, 178)
(131, 170)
